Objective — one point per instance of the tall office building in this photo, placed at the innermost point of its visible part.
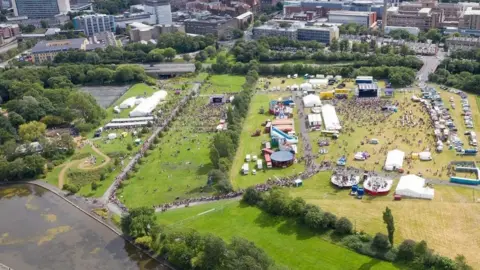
(94, 23)
(161, 9)
(39, 9)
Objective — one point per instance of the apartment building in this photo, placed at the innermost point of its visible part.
(94, 23)
(39, 9)
(46, 50)
(470, 19)
(219, 26)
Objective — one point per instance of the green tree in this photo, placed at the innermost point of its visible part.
(94, 185)
(169, 53)
(211, 51)
(44, 24)
(138, 222)
(314, 219)
(277, 201)
(251, 196)
(187, 57)
(297, 207)
(31, 131)
(344, 45)
(461, 263)
(334, 46)
(388, 219)
(221, 147)
(15, 119)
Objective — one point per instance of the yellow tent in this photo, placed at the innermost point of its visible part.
(414, 155)
(124, 134)
(327, 95)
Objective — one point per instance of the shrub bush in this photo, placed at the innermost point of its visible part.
(343, 226)
(406, 251)
(380, 241)
(251, 196)
(71, 188)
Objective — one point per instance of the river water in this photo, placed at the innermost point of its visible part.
(39, 230)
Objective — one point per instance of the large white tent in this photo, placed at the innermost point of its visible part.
(394, 160)
(311, 101)
(128, 103)
(414, 186)
(318, 82)
(330, 118)
(306, 87)
(149, 104)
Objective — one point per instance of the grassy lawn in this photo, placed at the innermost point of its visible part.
(452, 214)
(288, 244)
(180, 162)
(217, 84)
(358, 127)
(253, 145)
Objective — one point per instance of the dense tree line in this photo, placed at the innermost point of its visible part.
(277, 202)
(465, 54)
(166, 49)
(386, 55)
(463, 80)
(113, 6)
(191, 250)
(460, 65)
(224, 144)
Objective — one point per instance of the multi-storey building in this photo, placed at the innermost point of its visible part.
(94, 23)
(218, 26)
(365, 18)
(39, 9)
(462, 43)
(322, 7)
(470, 19)
(161, 9)
(298, 31)
(424, 15)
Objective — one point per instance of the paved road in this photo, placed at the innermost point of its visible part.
(430, 64)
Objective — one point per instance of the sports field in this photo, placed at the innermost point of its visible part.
(288, 244)
(253, 145)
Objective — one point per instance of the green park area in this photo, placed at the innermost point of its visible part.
(287, 243)
(178, 166)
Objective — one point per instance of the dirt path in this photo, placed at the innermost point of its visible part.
(80, 165)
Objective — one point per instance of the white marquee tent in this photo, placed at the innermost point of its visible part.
(128, 103)
(149, 104)
(394, 160)
(414, 186)
(306, 87)
(311, 101)
(330, 118)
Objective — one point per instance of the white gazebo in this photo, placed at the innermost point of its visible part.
(414, 186)
(394, 160)
(310, 101)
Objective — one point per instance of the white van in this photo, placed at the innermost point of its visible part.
(245, 168)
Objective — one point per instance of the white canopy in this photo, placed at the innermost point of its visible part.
(128, 103)
(414, 186)
(330, 118)
(306, 87)
(294, 87)
(394, 160)
(112, 136)
(314, 119)
(311, 101)
(149, 104)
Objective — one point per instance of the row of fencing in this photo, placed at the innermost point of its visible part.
(110, 195)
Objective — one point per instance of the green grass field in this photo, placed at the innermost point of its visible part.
(180, 162)
(288, 244)
(223, 84)
(253, 145)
